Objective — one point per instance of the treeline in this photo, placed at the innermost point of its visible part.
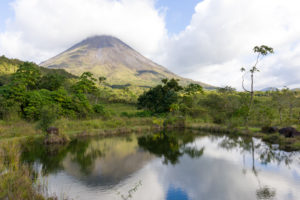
(34, 93)
(224, 106)
(39, 94)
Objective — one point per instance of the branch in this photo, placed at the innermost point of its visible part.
(243, 77)
(257, 59)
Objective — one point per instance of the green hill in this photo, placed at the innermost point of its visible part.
(9, 66)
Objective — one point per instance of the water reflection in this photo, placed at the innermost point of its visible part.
(96, 162)
(170, 146)
(169, 166)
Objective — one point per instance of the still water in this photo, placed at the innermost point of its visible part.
(176, 166)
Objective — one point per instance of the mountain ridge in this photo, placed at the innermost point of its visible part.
(110, 57)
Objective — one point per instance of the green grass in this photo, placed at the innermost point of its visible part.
(118, 108)
(19, 128)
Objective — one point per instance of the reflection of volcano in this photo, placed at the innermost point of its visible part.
(119, 159)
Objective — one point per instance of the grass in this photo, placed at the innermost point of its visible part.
(122, 118)
(18, 128)
(118, 108)
(21, 128)
(16, 181)
(74, 127)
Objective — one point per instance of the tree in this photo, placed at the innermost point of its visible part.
(101, 79)
(27, 75)
(86, 84)
(160, 98)
(192, 89)
(261, 52)
(226, 89)
(51, 82)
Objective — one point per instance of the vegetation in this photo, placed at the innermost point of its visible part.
(33, 98)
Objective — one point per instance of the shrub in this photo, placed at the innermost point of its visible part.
(99, 109)
(48, 115)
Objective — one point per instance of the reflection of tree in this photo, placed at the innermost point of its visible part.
(169, 146)
(266, 154)
(265, 193)
(51, 156)
(80, 155)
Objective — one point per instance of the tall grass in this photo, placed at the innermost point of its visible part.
(16, 179)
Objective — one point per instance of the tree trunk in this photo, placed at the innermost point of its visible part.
(251, 101)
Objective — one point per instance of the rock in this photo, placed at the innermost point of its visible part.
(52, 131)
(269, 129)
(54, 139)
(289, 132)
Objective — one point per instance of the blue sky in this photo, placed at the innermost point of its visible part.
(5, 12)
(178, 13)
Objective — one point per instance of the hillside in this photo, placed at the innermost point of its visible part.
(9, 66)
(110, 57)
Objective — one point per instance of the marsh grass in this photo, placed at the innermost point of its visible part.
(16, 179)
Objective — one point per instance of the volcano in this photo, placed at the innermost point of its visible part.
(118, 62)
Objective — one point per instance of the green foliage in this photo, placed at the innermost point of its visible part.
(82, 106)
(33, 103)
(226, 89)
(28, 75)
(51, 82)
(160, 98)
(192, 89)
(86, 84)
(99, 109)
(101, 79)
(48, 115)
(29, 90)
(263, 50)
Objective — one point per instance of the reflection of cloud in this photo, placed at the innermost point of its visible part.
(150, 189)
(121, 159)
(216, 177)
(218, 174)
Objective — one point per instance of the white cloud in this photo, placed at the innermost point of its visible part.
(213, 48)
(43, 28)
(221, 35)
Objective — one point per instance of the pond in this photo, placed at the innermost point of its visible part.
(175, 166)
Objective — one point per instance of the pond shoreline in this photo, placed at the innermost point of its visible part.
(89, 128)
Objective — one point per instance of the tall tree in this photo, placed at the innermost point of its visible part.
(261, 51)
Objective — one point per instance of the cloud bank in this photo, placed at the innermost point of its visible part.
(216, 44)
(221, 35)
(42, 28)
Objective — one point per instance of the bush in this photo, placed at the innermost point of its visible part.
(48, 115)
(99, 109)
